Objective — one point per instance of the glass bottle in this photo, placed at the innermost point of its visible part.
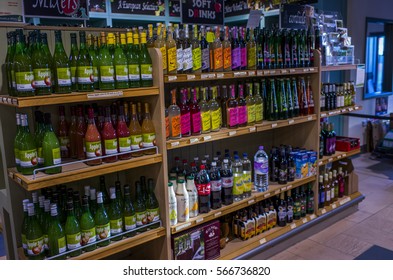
(104, 192)
(124, 135)
(92, 140)
(251, 51)
(28, 154)
(63, 134)
(80, 134)
(150, 40)
(282, 100)
(321, 193)
(232, 109)
(282, 211)
(129, 217)
(179, 49)
(174, 114)
(195, 110)
(61, 65)
(145, 63)
(140, 206)
(243, 49)
(185, 115)
(196, 51)
(39, 135)
(56, 235)
(272, 107)
(87, 225)
(24, 226)
(120, 64)
(106, 70)
(310, 96)
(223, 106)
(251, 105)
(50, 147)
(94, 55)
(92, 201)
(187, 51)
(215, 110)
(41, 65)
(152, 206)
(134, 74)
(205, 111)
(72, 134)
(259, 106)
(182, 202)
(205, 51)
(227, 51)
(17, 138)
(161, 45)
(218, 60)
(172, 205)
(115, 216)
(34, 235)
(236, 53)
(109, 138)
(9, 60)
(296, 107)
(135, 132)
(72, 231)
(77, 204)
(102, 223)
(84, 66)
(148, 132)
(171, 51)
(242, 107)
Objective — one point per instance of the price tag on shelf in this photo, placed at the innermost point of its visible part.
(312, 69)
(9, 100)
(97, 95)
(4, 99)
(172, 78)
(194, 140)
(356, 107)
(266, 195)
(272, 72)
(330, 159)
(200, 220)
(220, 75)
(208, 76)
(240, 74)
(305, 220)
(262, 241)
(206, 138)
(289, 187)
(293, 226)
(15, 101)
(312, 217)
(332, 113)
(350, 109)
(11, 175)
(19, 180)
(174, 144)
(252, 129)
(309, 118)
(231, 133)
(323, 211)
(183, 226)
(306, 70)
(274, 125)
(323, 115)
(344, 155)
(266, 72)
(191, 77)
(345, 200)
(251, 201)
(292, 70)
(320, 162)
(291, 121)
(217, 214)
(259, 73)
(251, 73)
(334, 206)
(283, 189)
(277, 192)
(284, 71)
(339, 156)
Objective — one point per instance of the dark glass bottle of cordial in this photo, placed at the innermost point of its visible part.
(291, 167)
(272, 42)
(232, 112)
(293, 49)
(227, 181)
(243, 49)
(289, 96)
(216, 186)
(274, 165)
(282, 211)
(303, 202)
(241, 107)
(283, 168)
(310, 45)
(205, 49)
(272, 108)
(333, 97)
(236, 52)
(309, 200)
(282, 100)
(202, 183)
(296, 108)
(296, 205)
(303, 99)
(321, 193)
(259, 40)
(289, 207)
(278, 49)
(286, 54)
(264, 98)
(223, 105)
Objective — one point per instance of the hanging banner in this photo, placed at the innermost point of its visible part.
(97, 6)
(206, 12)
(236, 8)
(174, 8)
(139, 7)
(293, 16)
(72, 9)
(11, 11)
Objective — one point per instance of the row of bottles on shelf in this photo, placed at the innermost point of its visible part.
(216, 50)
(281, 210)
(120, 61)
(213, 108)
(196, 190)
(100, 132)
(327, 140)
(57, 221)
(334, 96)
(331, 187)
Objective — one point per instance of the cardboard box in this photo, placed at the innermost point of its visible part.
(351, 178)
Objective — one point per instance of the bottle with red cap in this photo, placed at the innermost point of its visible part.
(202, 183)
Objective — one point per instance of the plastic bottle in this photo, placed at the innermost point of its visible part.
(216, 184)
(172, 205)
(182, 200)
(192, 196)
(202, 183)
(238, 186)
(227, 182)
(261, 170)
(247, 176)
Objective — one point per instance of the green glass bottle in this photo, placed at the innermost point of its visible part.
(272, 108)
(9, 60)
(102, 222)
(45, 47)
(56, 235)
(134, 68)
(16, 142)
(129, 216)
(24, 226)
(73, 61)
(61, 66)
(250, 101)
(251, 51)
(27, 149)
(259, 106)
(94, 55)
(84, 66)
(106, 70)
(103, 190)
(34, 236)
(72, 231)
(282, 100)
(140, 207)
(93, 201)
(45, 223)
(22, 68)
(77, 205)
(121, 66)
(119, 195)
(152, 206)
(88, 227)
(41, 64)
(145, 63)
(115, 216)
(39, 133)
(50, 147)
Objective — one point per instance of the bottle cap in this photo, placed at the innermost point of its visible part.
(181, 181)
(202, 167)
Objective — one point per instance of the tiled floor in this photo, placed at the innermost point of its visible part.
(371, 225)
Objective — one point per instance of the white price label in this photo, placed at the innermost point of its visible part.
(339, 156)
(104, 94)
(292, 70)
(262, 241)
(19, 180)
(312, 69)
(320, 162)
(266, 72)
(330, 159)
(309, 118)
(259, 73)
(323, 115)
(172, 78)
(190, 77)
(206, 138)
(344, 155)
(323, 211)
(293, 226)
(291, 121)
(334, 206)
(9, 100)
(266, 195)
(284, 71)
(356, 108)
(345, 200)
(272, 72)
(217, 214)
(312, 217)
(194, 140)
(277, 192)
(251, 201)
(306, 70)
(304, 220)
(350, 109)
(274, 125)
(174, 144)
(343, 110)
(289, 187)
(251, 73)
(11, 175)
(239, 74)
(220, 75)
(183, 226)
(208, 76)
(231, 133)
(252, 129)
(199, 220)
(283, 189)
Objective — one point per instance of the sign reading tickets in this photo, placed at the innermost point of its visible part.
(73, 9)
(11, 11)
(139, 7)
(207, 12)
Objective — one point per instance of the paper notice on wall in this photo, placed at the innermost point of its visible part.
(254, 18)
(11, 10)
(360, 75)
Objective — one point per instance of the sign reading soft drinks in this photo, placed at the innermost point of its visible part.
(74, 9)
(209, 12)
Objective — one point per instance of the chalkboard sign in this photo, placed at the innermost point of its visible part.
(174, 8)
(73, 9)
(208, 12)
(139, 7)
(293, 16)
(236, 8)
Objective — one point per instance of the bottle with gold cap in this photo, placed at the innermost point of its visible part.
(148, 131)
(187, 51)
(123, 42)
(150, 36)
(91, 43)
(134, 74)
(111, 43)
(84, 66)
(121, 66)
(145, 63)
(179, 49)
(171, 52)
(106, 70)
(161, 44)
(196, 51)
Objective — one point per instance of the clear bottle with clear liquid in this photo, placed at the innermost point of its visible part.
(238, 185)
(261, 170)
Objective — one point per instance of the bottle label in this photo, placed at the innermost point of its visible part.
(173, 213)
(73, 74)
(289, 212)
(193, 202)
(251, 113)
(205, 59)
(164, 61)
(322, 197)
(243, 57)
(35, 247)
(227, 58)
(251, 57)
(110, 146)
(242, 114)
(187, 59)
(196, 122)
(282, 213)
(216, 119)
(40, 156)
(17, 160)
(238, 186)
(95, 73)
(61, 243)
(175, 126)
(73, 241)
(282, 175)
(261, 167)
(56, 156)
(247, 181)
(146, 72)
(64, 77)
(130, 222)
(28, 158)
(206, 121)
(121, 73)
(196, 59)
(116, 226)
(42, 78)
(218, 59)
(182, 208)
(258, 112)
(227, 182)
(153, 215)
(236, 62)
(216, 185)
(85, 75)
(167, 127)
(172, 60)
(24, 81)
(107, 74)
(203, 189)
(103, 231)
(185, 123)
(179, 55)
(133, 72)
(141, 218)
(88, 236)
(310, 204)
(136, 142)
(93, 149)
(125, 144)
(64, 143)
(233, 117)
(24, 241)
(149, 140)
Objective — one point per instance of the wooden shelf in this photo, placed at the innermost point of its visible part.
(338, 67)
(53, 99)
(337, 156)
(178, 78)
(73, 28)
(79, 171)
(229, 133)
(340, 111)
(115, 247)
(274, 189)
(341, 201)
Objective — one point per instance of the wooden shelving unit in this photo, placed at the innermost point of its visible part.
(341, 67)
(340, 111)
(337, 156)
(340, 201)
